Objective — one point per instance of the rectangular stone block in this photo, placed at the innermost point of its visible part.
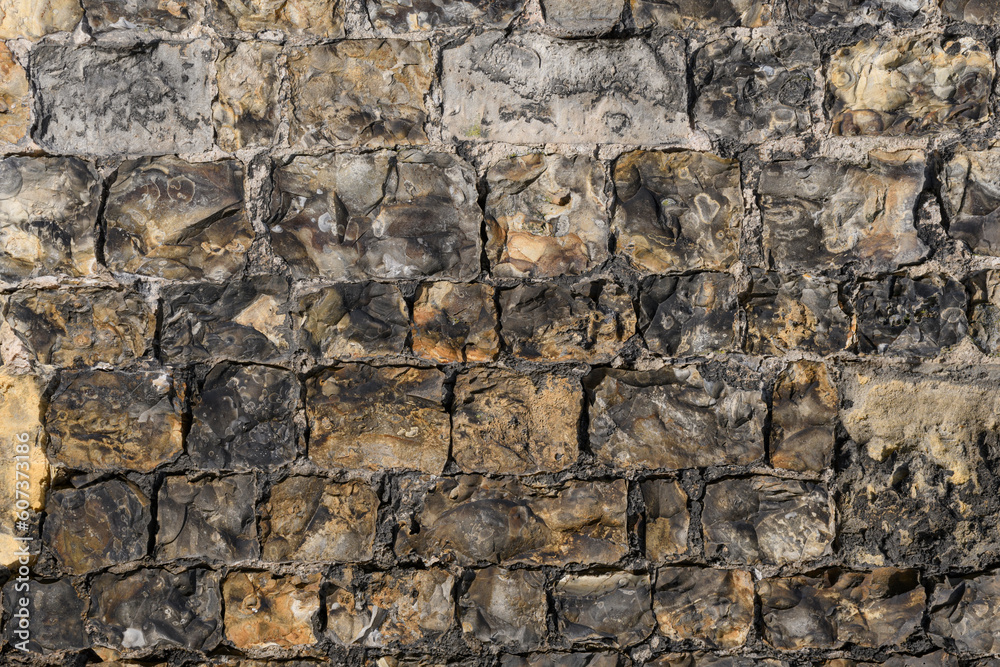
(667, 519)
(378, 418)
(476, 520)
(353, 321)
(804, 418)
(554, 659)
(152, 99)
(965, 614)
(296, 18)
(529, 88)
(581, 18)
(247, 111)
(788, 312)
(265, 610)
(981, 12)
(173, 16)
(56, 612)
(711, 608)
(15, 113)
(675, 418)
(378, 215)
(210, 519)
(701, 14)
(983, 289)
(613, 608)
(830, 13)
(685, 315)
(419, 606)
(402, 16)
(821, 214)
(453, 322)
(37, 18)
(971, 199)
(508, 608)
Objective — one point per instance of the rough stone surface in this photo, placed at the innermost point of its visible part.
(971, 200)
(402, 16)
(984, 310)
(964, 614)
(454, 322)
(418, 605)
(803, 418)
(786, 312)
(212, 519)
(15, 100)
(312, 18)
(581, 18)
(701, 13)
(667, 519)
(981, 12)
(173, 16)
(713, 608)
(56, 613)
(31, 20)
(596, 659)
(506, 607)
(611, 608)
(353, 321)
(685, 315)
(246, 112)
(265, 610)
(824, 13)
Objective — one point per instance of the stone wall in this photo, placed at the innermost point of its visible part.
(500, 334)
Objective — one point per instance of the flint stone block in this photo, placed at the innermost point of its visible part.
(115, 420)
(378, 215)
(55, 611)
(151, 607)
(984, 313)
(767, 520)
(348, 620)
(596, 659)
(677, 211)
(612, 608)
(946, 85)
(507, 423)
(712, 608)
(173, 16)
(686, 315)
(48, 217)
(581, 18)
(824, 13)
(803, 418)
(353, 321)
(363, 417)
(401, 16)
(242, 418)
(455, 323)
(297, 18)
(701, 14)
(472, 519)
(675, 418)
(820, 214)
(586, 322)
(178, 220)
(211, 519)
(965, 614)
(506, 607)
(879, 609)
(266, 610)
(667, 519)
(15, 112)
(702, 659)
(155, 98)
(528, 88)
(247, 112)
(971, 199)
(36, 18)
(982, 12)
(98, 526)
(82, 327)
(418, 606)
(786, 312)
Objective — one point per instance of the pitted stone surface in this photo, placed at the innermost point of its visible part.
(246, 112)
(174, 16)
(701, 14)
(265, 610)
(35, 19)
(402, 16)
(804, 418)
(786, 312)
(311, 18)
(823, 13)
(15, 112)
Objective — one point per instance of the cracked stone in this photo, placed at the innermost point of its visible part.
(581, 18)
(787, 312)
(965, 613)
(701, 14)
(685, 315)
(417, 605)
(612, 608)
(565, 660)
(347, 619)
(402, 16)
(455, 323)
(824, 13)
(667, 519)
(971, 200)
(173, 15)
(15, 101)
(267, 610)
(804, 418)
(702, 659)
(984, 313)
(713, 608)
(55, 611)
(353, 321)
(246, 111)
(311, 18)
(982, 12)
(37, 18)
(210, 519)
(507, 607)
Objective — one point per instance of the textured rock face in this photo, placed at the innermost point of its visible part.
(246, 112)
(472, 519)
(32, 20)
(378, 215)
(964, 614)
(877, 609)
(56, 613)
(174, 16)
(361, 92)
(363, 417)
(564, 660)
(546, 216)
(677, 211)
(945, 86)
(587, 322)
(21, 409)
(212, 519)
(407, 16)
(563, 92)
(788, 312)
(613, 608)
(156, 98)
(48, 217)
(683, 315)
(313, 18)
(15, 111)
(971, 200)
(974, 11)
(713, 608)
(353, 321)
(419, 605)
(265, 610)
(507, 423)
(667, 519)
(803, 418)
(151, 607)
(701, 13)
(823, 13)
(313, 519)
(454, 322)
(107, 420)
(506, 607)
(98, 526)
(984, 310)
(581, 18)
(674, 418)
(821, 214)
(767, 520)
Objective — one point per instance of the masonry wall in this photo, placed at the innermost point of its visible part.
(498, 334)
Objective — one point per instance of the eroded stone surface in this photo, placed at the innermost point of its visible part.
(98, 526)
(55, 611)
(455, 322)
(418, 605)
(82, 327)
(408, 16)
(507, 423)
(684, 315)
(850, 12)
(472, 519)
(677, 211)
(21, 409)
(314, 519)
(965, 613)
(107, 420)
(946, 85)
(174, 15)
(587, 322)
(701, 13)
(714, 608)
(264, 610)
(553, 659)
(675, 418)
(983, 289)
(703, 659)
(528, 88)
(363, 417)
(246, 111)
(786, 312)
(15, 100)
(37, 18)
(877, 609)
(821, 214)
(982, 12)
(210, 519)
(803, 418)
(378, 215)
(971, 200)
(667, 519)
(155, 99)
(546, 216)
(313, 18)
(353, 321)
(507, 607)
(767, 520)
(581, 18)
(611, 608)
(149, 607)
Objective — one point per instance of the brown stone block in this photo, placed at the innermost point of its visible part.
(702, 659)
(55, 613)
(786, 313)
(667, 519)
(713, 608)
(684, 315)
(971, 200)
(455, 323)
(418, 606)
(702, 14)
(307, 18)
(507, 607)
(172, 15)
(677, 211)
(37, 18)
(402, 16)
(587, 659)
(472, 519)
(362, 417)
(965, 613)
(267, 610)
(115, 420)
(247, 112)
(353, 321)
(507, 423)
(587, 322)
(210, 519)
(15, 101)
(546, 215)
(612, 608)
(804, 418)
(348, 620)
(676, 418)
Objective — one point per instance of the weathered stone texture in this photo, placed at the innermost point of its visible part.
(713, 608)
(596, 659)
(392, 417)
(246, 111)
(312, 18)
(507, 607)
(505, 423)
(667, 519)
(983, 12)
(454, 323)
(945, 86)
(419, 605)
(821, 214)
(353, 321)
(983, 289)
(35, 19)
(581, 18)
(55, 613)
(674, 418)
(529, 88)
(266, 610)
(611, 608)
(15, 100)
(685, 315)
(803, 418)
(472, 519)
(832, 13)
(965, 614)
(701, 13)
(209, 519)
(378, 215)
(154, 99)
(402, 16)
(677, 211)
(786, 313)
(173, 15)
(971, 200)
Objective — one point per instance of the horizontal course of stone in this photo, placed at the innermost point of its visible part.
(501, 333)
